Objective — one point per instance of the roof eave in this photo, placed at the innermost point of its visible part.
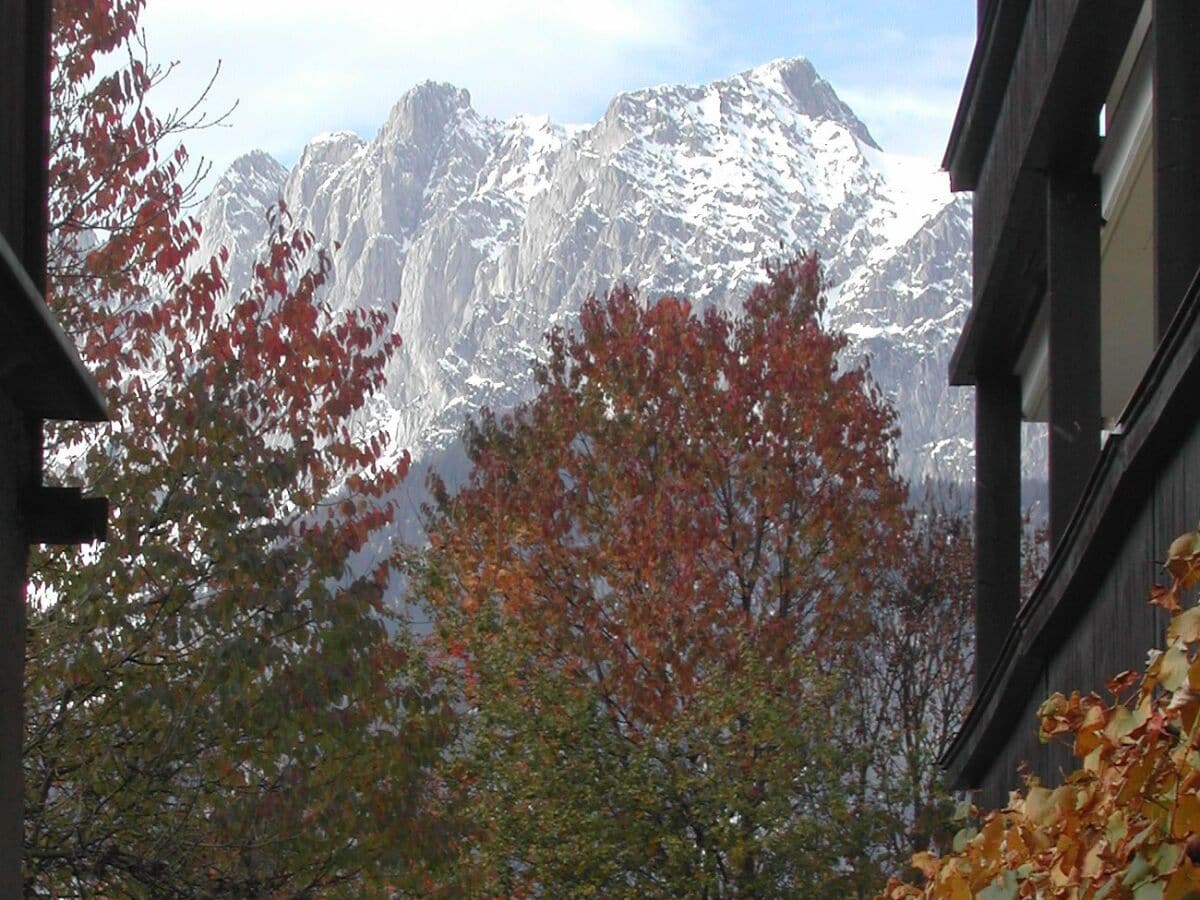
(983, 92)
(47, 377)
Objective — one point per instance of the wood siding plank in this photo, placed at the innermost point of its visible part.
(1114, 634)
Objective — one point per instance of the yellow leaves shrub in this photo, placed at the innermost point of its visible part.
(1126, 823)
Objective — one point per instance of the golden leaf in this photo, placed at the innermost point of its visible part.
(1136, 777)
(1183, 558)
(1184, 884)
(1185, 626)
(1186, 820)
(957, 887)
(1173, 668)
(1194, 675)
(1093, 861)
(1167, 598)
(926, 863)
(1039, 806)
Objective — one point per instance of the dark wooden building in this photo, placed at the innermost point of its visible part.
(41, 378)
(1079, 134)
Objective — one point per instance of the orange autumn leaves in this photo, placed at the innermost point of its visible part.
(683, 479)
(1126, 823)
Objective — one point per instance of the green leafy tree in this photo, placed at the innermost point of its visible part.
(219, 702)
(656, 580)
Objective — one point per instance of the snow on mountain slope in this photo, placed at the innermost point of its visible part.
(487, 233)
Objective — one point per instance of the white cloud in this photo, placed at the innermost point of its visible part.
(906, 89)
(913, 122)
(898, 105)
(299, 67)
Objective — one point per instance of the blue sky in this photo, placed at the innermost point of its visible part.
(300, 67)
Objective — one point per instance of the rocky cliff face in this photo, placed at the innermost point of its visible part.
(487, 233)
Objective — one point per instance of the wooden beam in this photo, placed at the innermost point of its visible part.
(41, 371)
(1176, 66)
(25, 49)
(16, 471)
(24, 88)
(997, 517)
(62, 515)
(981, 14)
(1073, 296)
(998, 30)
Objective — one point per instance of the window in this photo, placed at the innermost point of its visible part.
(1125, 166)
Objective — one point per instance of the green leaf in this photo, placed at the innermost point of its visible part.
(1138, 870)
(1005, 887)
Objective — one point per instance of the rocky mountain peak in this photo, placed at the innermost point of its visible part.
(329, 149)
(233, 216)
(813, 95)
(319, 160)
(690, 115)
(421, 116)
(256, 172)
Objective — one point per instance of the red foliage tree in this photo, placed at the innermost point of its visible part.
(694, 505)
(219, 700)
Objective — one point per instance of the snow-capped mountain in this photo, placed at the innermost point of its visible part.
(486, 233)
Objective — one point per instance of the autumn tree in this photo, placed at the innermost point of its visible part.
(1126, 822)
(219, 702)
(654, 580)
(916, 668)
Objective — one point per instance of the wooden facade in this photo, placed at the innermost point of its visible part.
(41, 377)
(1079, 135)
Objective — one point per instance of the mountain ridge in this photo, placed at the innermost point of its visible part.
(485, 233)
